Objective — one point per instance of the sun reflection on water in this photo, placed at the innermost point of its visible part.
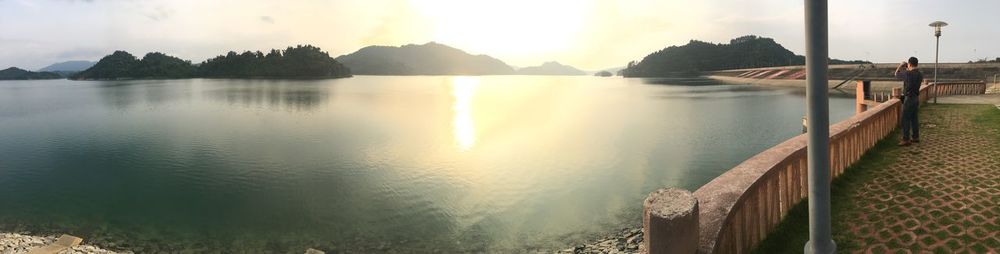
(463, 126)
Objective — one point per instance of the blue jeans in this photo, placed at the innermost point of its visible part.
(911, 127)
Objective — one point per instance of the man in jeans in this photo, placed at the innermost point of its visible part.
(912, 78)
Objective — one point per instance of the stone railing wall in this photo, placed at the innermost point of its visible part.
(738, 209)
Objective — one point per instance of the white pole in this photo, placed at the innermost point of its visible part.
(937, 46)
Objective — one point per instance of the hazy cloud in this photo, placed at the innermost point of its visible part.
(12, 41)
(159, 13)
(267, 19)
(399, 22)
(589, 34)
(82, 54)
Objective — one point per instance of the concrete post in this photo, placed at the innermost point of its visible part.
(670, 222)
(859, 98)
(818, 112)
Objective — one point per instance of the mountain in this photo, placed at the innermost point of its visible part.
(427, 59)
(295, 62)
(68, 66)
(697, 56)
(118, 65)
(14, 73)
(550, 68)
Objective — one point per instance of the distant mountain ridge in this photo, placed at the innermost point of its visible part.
(697, 56)
(14, 73)
(428, 59)
(551, 68)
(68, 66)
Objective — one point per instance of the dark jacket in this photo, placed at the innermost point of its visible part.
(911, 82)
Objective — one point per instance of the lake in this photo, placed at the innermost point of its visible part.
(369, 164)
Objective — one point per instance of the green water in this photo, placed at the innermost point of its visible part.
(368, 164)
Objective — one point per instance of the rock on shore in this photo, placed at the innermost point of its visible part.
(625, 241)
(17, 243)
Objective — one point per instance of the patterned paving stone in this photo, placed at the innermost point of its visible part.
(941, 196)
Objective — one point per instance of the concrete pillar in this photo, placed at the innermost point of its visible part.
(859, 98)
(670, 222)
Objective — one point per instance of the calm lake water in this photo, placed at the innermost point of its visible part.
(368, 164)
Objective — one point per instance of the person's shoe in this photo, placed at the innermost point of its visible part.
(904, 143)
(915, 141)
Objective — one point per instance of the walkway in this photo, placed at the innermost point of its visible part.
(971, 99)
(939, 196)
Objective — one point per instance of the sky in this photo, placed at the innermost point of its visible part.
(588, 34)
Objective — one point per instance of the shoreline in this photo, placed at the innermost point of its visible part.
(22, 243)
(625, 241)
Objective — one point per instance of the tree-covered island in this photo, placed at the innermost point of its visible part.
(306, 62)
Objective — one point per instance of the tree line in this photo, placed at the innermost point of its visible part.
(14, 73)
(294, 62)
(985, 60)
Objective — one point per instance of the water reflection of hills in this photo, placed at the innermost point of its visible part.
(127, 93)
(272, 94)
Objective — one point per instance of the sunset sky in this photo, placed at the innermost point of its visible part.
(588, 34)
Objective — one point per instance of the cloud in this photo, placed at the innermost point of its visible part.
(267, 19)
(159, 13)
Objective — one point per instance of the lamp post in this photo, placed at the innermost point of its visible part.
(818, 113)
(937, 25)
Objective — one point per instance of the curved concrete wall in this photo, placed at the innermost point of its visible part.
(737, 209)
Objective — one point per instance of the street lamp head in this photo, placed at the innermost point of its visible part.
(937, 25)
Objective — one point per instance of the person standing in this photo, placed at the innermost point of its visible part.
(912, 78)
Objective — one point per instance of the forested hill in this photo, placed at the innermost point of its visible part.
(293, 62)
(122, 65)
(698, 56)
(14, 73)
(298, 62)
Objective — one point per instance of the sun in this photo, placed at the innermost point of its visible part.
(522, 27)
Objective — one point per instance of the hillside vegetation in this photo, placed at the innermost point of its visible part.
(294, 62)
(698, 56)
